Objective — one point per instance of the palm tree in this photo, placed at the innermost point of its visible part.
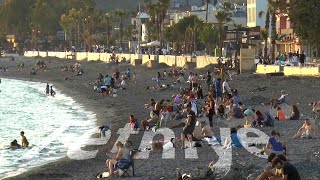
(272, 10)
(237, 27)
(265, 35)
(164, 6)
(106, 20)
(120, 13)
(222, 17)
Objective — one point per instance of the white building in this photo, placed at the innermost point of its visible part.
(239, 20)
(254, 7)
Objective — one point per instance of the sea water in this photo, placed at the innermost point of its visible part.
(25, 107)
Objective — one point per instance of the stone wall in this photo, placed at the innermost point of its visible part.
(246, 59)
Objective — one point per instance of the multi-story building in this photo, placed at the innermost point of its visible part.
(254, 8)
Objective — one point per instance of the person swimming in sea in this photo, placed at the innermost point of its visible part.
(52, 92)
(14, 145)
(47, 89)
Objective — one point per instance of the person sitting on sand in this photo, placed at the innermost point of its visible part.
(122, 154)
(33, 72)
(316, 109)
(76, 66)
(289, 171)
(221, 111)
(249, 115)
(274, 145)
(24, 141)
(282, 99)
(206, 130)
(280, 114)
(233, 140)
(271, 172)
(306, 131)
(259, 119)
(151, 105)
(132, 122)
(295, 114)
(150, 122)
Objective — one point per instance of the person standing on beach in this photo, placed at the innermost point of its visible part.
(24, 141)
(189, 127)
(47, 89)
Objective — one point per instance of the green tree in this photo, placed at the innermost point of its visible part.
(163, 6)
(223, 17)
(209, 36)
(107, 22)
(14, 17)
(120, 13)
(304, 16)
(264, 36)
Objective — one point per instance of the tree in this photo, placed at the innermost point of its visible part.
(273, 10)
(265, 35)
(151, 25)
(209, 36)
(14, 17)
(304, 16)
(106, 21)
(223, 17)
(120, 13)
(163, 6)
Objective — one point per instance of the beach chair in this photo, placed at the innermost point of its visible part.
(127, 166)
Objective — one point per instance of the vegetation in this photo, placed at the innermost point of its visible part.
(304, 16)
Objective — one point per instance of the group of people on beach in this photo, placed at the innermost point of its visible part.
(24, 142)
(109, 84)
(186, 109)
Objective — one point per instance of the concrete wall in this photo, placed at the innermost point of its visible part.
(167, 59)
(288, 70)
(246, 59)
(264, 69)
(301, 71)
(203, 61)
(181, 61)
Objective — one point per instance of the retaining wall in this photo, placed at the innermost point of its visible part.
(264, 69)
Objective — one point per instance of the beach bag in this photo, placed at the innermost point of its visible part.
(123, 164)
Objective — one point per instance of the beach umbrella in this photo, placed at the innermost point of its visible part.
(154, 44)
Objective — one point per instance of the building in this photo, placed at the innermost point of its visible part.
(254, 8)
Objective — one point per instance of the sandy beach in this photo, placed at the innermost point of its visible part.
(301, 90)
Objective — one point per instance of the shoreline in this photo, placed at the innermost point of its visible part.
(132, 100)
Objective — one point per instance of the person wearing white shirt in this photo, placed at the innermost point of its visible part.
(225, 87)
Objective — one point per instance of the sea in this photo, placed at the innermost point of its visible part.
(51, 125)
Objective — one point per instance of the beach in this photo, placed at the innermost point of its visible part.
(302, 91)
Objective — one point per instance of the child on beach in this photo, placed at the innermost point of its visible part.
(52, 92)
(133, 122)
(24, 141)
